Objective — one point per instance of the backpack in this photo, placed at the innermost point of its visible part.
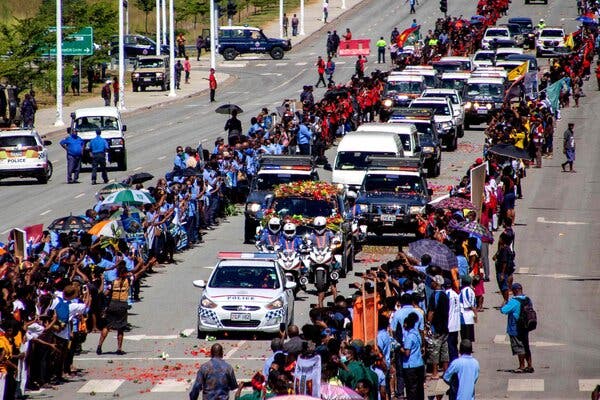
(62, 310)
(527, 317)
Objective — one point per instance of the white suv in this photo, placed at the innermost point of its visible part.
(548, 39)
(494, 32)
(23, 155)
(443, 116)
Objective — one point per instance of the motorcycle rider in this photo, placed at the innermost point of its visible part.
(288, 241)
(353, 208)
(322, 238)
(270, 237)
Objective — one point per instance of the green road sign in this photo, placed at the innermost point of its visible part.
(80, 43)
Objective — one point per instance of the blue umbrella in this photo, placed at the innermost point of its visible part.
(441, 255)
(586, 20)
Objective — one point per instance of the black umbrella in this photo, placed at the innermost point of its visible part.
(140, 177)
(441, 255)
(70, 224)
(509, 150)
(228, 108)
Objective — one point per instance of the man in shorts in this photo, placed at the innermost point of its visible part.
(437, 316)
(519, 338)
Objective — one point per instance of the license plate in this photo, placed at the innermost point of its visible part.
(147, 79)
(240, 316)
(484, 111)
(388, 218)
(16, 153)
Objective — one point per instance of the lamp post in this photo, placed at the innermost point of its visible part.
(122, 61)
(59, 66)
(343, 4)
(213, 36)
(172, 92)
(164, 21)
(280, 18)
(302, 18)
(157, 27)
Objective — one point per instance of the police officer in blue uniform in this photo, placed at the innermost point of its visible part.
(98, 148)
(73, 144)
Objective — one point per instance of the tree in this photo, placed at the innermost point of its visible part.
(193, 8)
(146, 6)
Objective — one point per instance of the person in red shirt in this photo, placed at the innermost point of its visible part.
(321, 71)
(348, 35)
(360, 66)
(212, 84)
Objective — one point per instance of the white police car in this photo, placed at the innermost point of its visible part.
(245, 292)
(23, 154)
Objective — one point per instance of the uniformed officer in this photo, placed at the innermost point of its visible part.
(98, 148)
(381, 50)
(73, 144)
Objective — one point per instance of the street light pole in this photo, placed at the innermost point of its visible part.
(172, 49)
(302, 18)
(213, 37)
(121, 103)
(59, 66)
(157, 27)
(164, 21)
(343, 4)
(126, 5)
(280, 18)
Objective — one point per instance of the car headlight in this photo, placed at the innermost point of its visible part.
(116, 142)
(159, 74)
(488, 106)
(468, 105)
(415, 209)
(427, 149)
(363, 207)
(136, 75)
(388, 103)
(275, 304)
(475, 105)
(447, 125)
(252, 207)
(207, 303)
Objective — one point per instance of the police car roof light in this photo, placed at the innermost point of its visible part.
(288, 167)
(279, 160)
(241, 255)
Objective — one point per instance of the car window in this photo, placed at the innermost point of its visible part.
(403, 87)
(17, 141)
(484, 89)
(245, 277)
(497, 33)
(86, 124)
(357, 160)
(552, 33)
(307, 207)
(392, 183)
(151, 63)
(255, 35)
(144, 42)
(438, 109)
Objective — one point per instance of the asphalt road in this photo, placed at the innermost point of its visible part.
(557, 232)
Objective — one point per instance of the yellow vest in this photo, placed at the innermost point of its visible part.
(381, 43)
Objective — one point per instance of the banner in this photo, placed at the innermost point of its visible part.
(517, 72)
(553, 93)
(307, 376)
(355, 47)
(477, 186)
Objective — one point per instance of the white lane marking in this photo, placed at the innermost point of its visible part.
(233, 350)
(281, 64)
(503, 339)
(587, 385)
(137, 169)
(300, 63)
(191, 359)
(101, 386)
(287, 82)
(525, 385)
(270, 74)
(80, 195)
(261, 65)
(46, 212)
(523, 270)
(500, 339)
(545, 221)
(170, 385)
(187, 332)
(208, 267)
(137, 338)
(234, 65)
(162, 157)
(341, 62)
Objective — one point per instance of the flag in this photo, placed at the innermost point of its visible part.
(516, 89)
(553, 93)
(569, 41)
(519, 71)
(401, 39)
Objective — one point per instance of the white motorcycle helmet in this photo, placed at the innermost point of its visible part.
(274, 225)
(351, 195)
(320, 224)
(289, 230)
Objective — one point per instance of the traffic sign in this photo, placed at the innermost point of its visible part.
(80, 43)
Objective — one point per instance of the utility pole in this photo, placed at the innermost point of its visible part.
(126, 5)
(122, 60)
(213, 36)
(172, 92)
(157, 27)
(302, 18)
(280, 18)
(59, 66)
(164, 21)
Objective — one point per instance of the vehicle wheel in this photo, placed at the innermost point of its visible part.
(229, 54)
(143, 88)
(277, 53)
(438, 168)
(461, 131)
(321, 280)
(122, 163)
(467, 126)
(135, 88)
(453, 144)
(350, 259)
(538, 53)
(163, 87)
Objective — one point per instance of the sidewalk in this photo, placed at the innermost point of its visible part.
(313, 22)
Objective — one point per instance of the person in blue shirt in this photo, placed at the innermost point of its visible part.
(462, 374)
(180, 159)
(304, 138)
(73, 144)
(384, 339)
(288, 241)
(413, 367)
(519, 338)
(270, 236)
(98, 147)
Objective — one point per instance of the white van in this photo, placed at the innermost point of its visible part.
(351, 158)
(408, 135)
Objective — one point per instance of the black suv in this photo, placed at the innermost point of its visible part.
(136, 45)
(527, 30)
(235, 40)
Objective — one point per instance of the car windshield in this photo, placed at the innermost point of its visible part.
(554, 33)
(17, 141)
(151, 63)
(268, 181)
(484, 89)
(425, 130)
(514, 29)
(357, 160)
(438, 109)
(484, 56)
(392, 183)
(497, 33)
(453, 98)
(429, 81)
(453, 66)
(457, 84)
(244, 277)
(87, 124)
(403, 87)
(304, 206)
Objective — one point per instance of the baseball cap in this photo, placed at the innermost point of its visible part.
(517, 286)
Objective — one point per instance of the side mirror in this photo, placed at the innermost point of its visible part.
(290, 285)
(124, 128)
(199, 283)
(47, 142)
(417, 149)
(69, 130)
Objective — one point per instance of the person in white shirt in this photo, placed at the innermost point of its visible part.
(468, 310)
(453, 320)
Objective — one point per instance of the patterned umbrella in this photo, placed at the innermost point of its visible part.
(474, 228)
(132, 210)
(441, 255)
(69, 224)
(338, 392)
(456, 203)
(110, 189)
(129, 197)
(108, 228)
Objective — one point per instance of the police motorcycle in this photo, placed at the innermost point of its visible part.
(359, 231)
(292, 257)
